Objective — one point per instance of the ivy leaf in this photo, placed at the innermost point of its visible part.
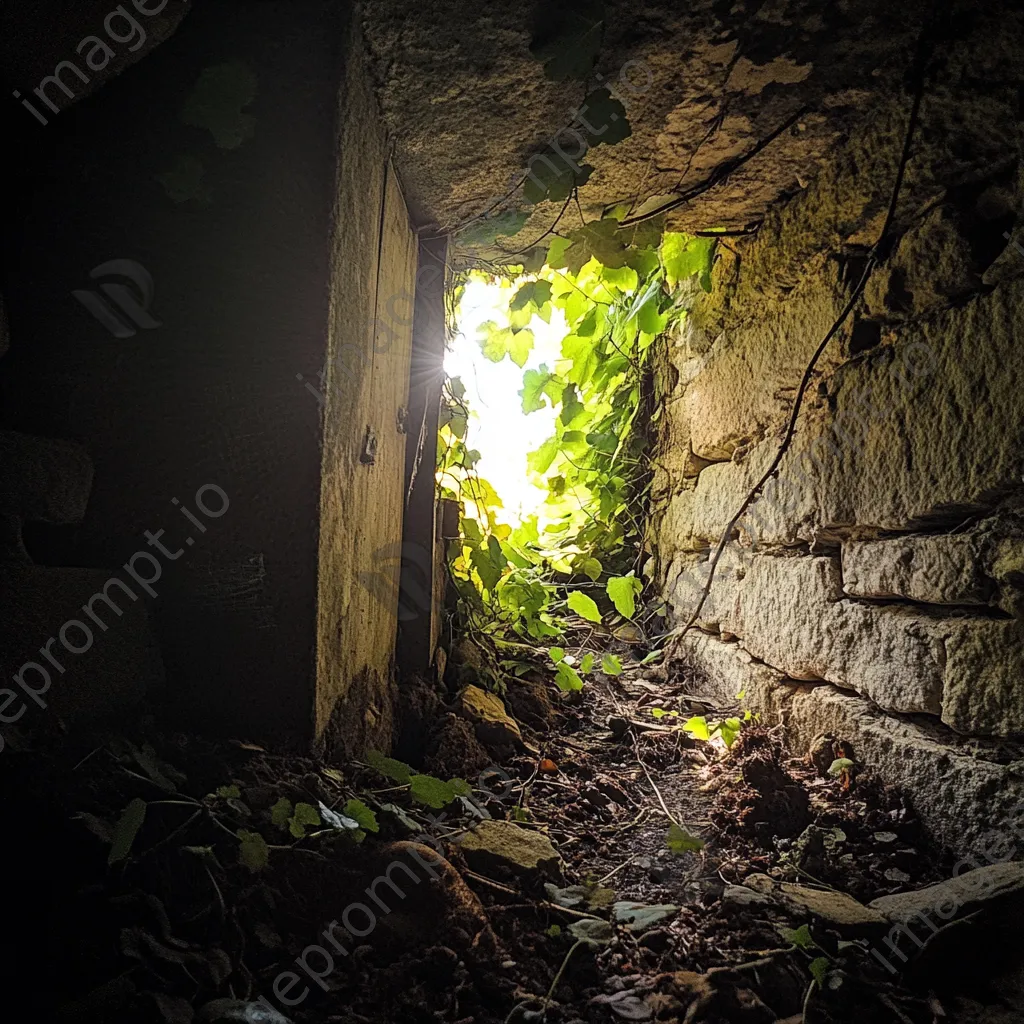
(550, 177)
(556, 654)
(684, 256)
(228, 792)
(535, 293)
(606, 116)
(360, 813)
(840, 765)
(584, 606)
(587, 663)
(571, 405)
(520, 346)
(611, 665)
(486, 231)
(570, 45)
(623, 590)
(483, 561)
(253, 851)
(126, 829)
(697, 727)
(799, 937)
(591, 567)
(434, 793)
(819, 968)
(281, 812)
(679, 840)
(567, 678)
(305, 815)
(540, 460)
(389, 767)
(598, 240)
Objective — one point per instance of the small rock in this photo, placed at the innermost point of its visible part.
(494, 727)
(742, 896)
(895, 875)
(659, 940)
(885, 837)
(659, 872)
(834, 909)
(504, 844)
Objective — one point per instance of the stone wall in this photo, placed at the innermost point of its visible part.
(874, 590)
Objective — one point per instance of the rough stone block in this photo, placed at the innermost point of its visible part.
(790, 613)
(982, 693)
(941, 569)
(43, 478)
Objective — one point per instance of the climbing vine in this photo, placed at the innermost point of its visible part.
(618, 290)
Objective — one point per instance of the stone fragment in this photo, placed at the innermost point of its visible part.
(503, 844)
(493, 725)
(995, 887)
(743, 897)
(833, 909)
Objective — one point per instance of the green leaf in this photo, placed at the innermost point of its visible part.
(678, 840)
(487, 230)
(434, 793)
(840, 765)
(684, 256)
(540, 460)
(584, 606)
(359, 812)
(553, 931)
(550, 177)
(611, 665)
(597, 240)
(623, 590)
(390, 768)
(126, 829)
(592, 931)
(799, 937)
(567, 678)
(228, 792)
(482, 559)
(281, 812)
(591, 567)
(819, 968)
(520, 346)
(571, 405)
(697, 727)
(606, 116)
(587, 663)
(571, 41)
(305, 815)
(253, 851)
(556, 654)
(651, 657)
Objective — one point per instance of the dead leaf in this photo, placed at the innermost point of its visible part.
(547, 765)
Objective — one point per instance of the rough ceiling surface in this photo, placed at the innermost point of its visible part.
(705, 85)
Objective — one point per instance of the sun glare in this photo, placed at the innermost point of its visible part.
(498, 427)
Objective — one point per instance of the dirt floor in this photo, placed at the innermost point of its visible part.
(602, 880)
